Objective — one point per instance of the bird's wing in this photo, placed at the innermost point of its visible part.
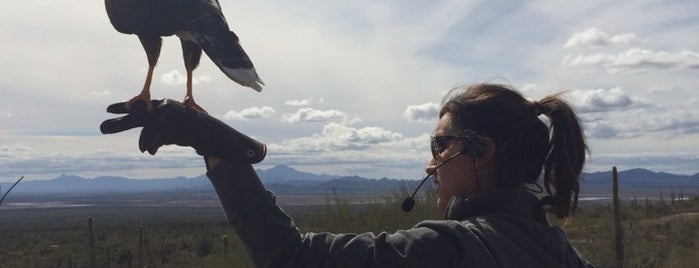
(213, 3)
(159, 17)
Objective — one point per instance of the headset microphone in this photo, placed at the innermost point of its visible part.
(409, 202)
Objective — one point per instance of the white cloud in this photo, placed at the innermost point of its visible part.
(304, 115)
(175, 77)
(372, 151)
(427, 112)
(596, 37)
(336, 136)
(304, 102)
(637, 59)
(250, 113)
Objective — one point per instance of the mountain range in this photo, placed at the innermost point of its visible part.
(283, 179)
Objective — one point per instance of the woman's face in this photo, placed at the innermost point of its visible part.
(455, 177)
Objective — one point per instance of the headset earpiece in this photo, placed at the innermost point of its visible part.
(474, 149)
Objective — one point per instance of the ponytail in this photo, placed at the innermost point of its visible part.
(566, 156)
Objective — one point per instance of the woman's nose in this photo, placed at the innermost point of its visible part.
(430, 167)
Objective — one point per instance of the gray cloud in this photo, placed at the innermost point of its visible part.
(602, 100)
(662, 123)
(427, 112)
(614, 114)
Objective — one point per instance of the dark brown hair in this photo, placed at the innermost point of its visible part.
(525, 145)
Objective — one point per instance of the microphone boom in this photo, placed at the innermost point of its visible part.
(409, 202)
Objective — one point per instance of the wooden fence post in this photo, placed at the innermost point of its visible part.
(140, 246)
(618, 233)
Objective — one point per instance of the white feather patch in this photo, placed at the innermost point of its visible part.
(245, 77)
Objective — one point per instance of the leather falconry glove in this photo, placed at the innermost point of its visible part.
(171, 122)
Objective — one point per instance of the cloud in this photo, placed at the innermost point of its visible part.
(304, 102)
(250, 113)
(175, 77)
(637, 59)
(337, 136)
(660, 123)
(604, 100)
(343, 150)
(304, 115)
(615, 114)
(427, 112)
(665, 90)
(596, 37)
(9, 150)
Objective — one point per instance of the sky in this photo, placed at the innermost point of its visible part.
(352, 87)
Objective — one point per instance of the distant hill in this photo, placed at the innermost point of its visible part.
(283, 173)
(638, 180)
(72, 184)
(283, 179)
(280, 179)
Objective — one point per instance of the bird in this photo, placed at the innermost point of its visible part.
(199, 24)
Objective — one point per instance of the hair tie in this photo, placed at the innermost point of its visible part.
(538, 108)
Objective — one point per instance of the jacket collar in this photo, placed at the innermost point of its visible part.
(515, 202)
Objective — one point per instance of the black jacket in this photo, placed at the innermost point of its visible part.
(503, 228)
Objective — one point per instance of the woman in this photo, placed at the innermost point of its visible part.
(488, 144)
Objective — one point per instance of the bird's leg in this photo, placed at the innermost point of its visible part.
(189, 98)
(151, 44)
(191, 53)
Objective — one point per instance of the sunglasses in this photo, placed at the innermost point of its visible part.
(438, 144)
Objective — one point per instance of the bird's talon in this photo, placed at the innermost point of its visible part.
(189, 102)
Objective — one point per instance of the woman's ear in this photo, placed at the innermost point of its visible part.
(485, 151)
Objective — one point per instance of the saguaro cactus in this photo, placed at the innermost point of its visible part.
(226, 244)
(618, 234)
(91, 242)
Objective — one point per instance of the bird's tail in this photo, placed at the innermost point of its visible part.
(230, 57)
(223, 48)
